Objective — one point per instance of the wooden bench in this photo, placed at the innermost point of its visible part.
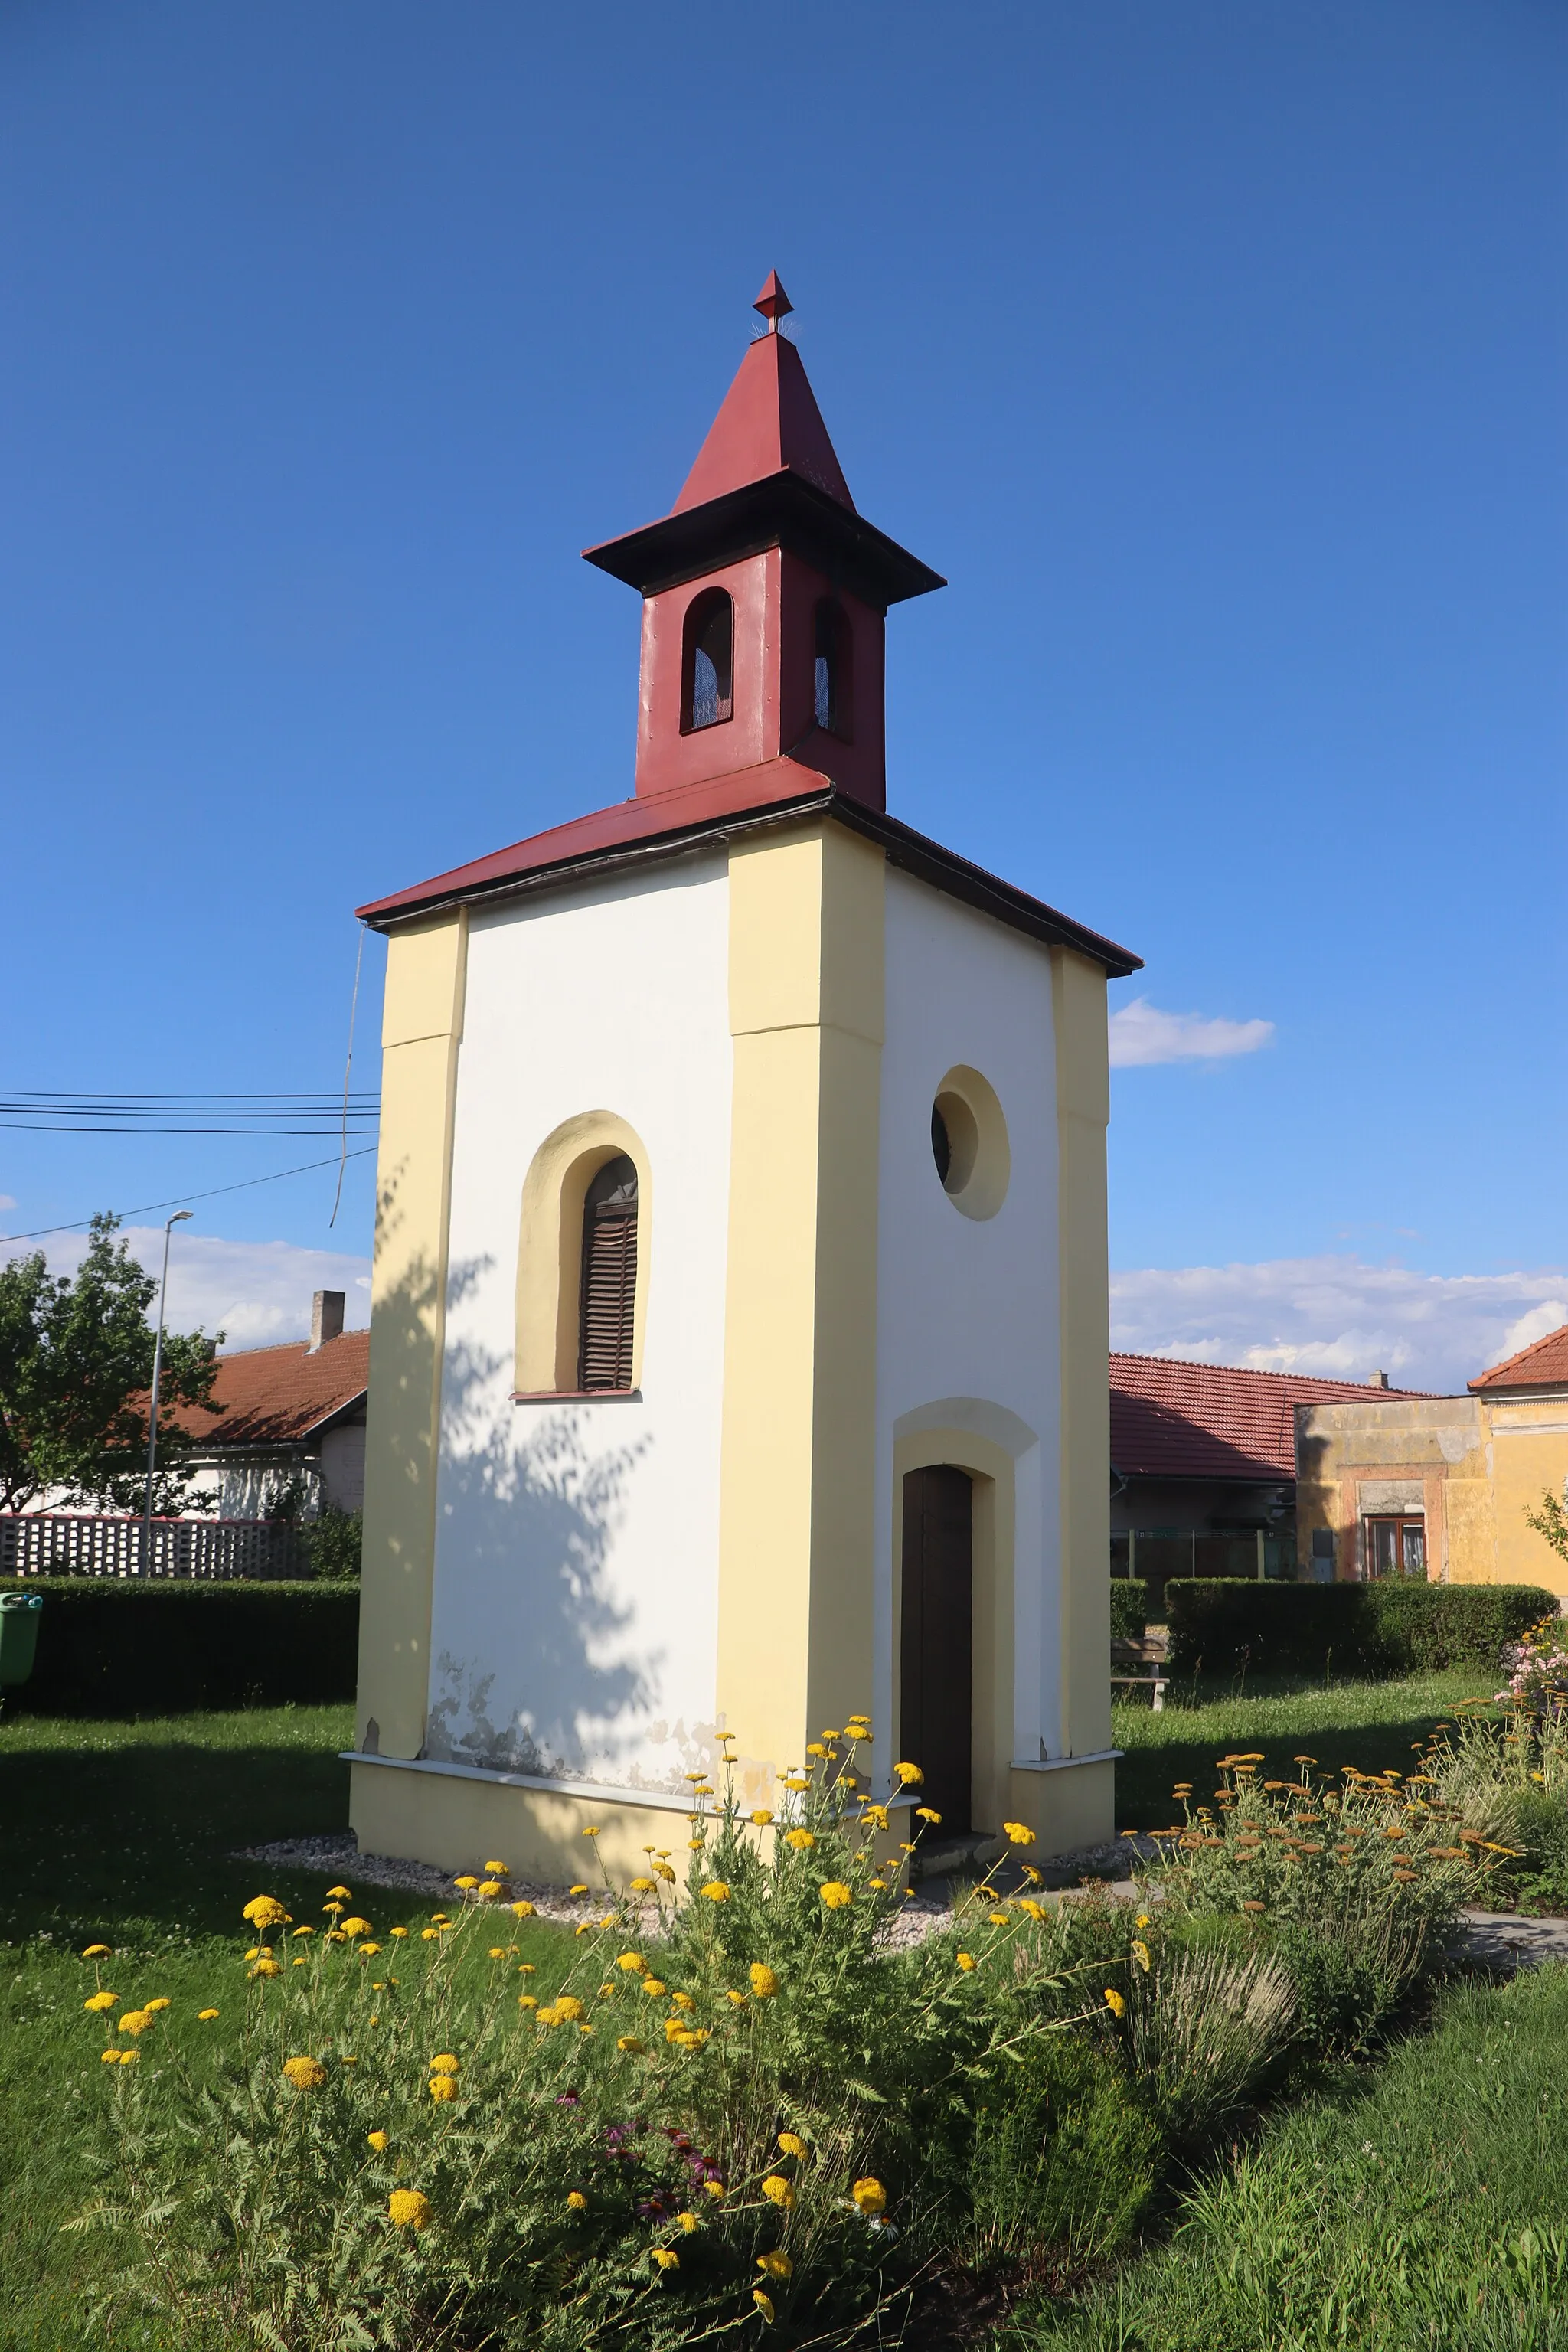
(1148, 1654)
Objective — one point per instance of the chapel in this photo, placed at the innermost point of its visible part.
(739, 1327)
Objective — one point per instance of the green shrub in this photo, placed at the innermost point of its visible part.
(333, 1543)
(123, 1648)
(1129, 1608)
(1223, 1626)
(1065, 2155)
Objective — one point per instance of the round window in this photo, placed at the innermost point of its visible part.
(969, 1142)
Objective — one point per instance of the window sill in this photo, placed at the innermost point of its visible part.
(576, 1396)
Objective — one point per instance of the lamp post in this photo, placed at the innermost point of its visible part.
(178, 1218)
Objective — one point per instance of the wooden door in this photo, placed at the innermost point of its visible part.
(937, 1643)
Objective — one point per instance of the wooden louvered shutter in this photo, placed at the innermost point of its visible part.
(609, 1277)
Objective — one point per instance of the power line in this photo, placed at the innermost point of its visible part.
(33, 1111)
(145, 1207)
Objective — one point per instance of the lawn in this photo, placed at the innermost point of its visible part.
(1419, 2207)
(123, 1832)
(1368, 1724)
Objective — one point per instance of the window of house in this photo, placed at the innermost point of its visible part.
(608, 1303)
(1396, 1545)
(833, 645)
(707, 683)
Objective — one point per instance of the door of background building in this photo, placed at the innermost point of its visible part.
(937, 1644)
(1396, 1547)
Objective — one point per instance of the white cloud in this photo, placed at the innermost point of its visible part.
(257, 1293)
(1140, 1034)
(1336, 1317)
(6, 1202)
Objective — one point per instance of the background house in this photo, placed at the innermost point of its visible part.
(1438, 1487)
(1202, 1461)
(291, 1439)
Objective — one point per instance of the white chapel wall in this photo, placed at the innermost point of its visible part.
(575, 1601)
(968, 1310)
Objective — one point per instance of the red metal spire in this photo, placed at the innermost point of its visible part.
(774, 303)
(770, 422)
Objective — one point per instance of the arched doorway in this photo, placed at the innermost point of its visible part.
(936, 1645)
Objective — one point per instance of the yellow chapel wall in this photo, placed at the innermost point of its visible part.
(422, 1027)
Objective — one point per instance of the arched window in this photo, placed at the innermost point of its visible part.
(607, 1306)
(707, 669)
(834, 701)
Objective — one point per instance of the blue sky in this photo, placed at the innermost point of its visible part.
(1215, 352)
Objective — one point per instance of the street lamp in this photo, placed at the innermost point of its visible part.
(178, 1218)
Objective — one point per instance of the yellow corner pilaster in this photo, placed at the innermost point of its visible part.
(422, 1028)
(797, 1475)
(1083, 1112)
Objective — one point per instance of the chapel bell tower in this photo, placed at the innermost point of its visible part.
(764, 595)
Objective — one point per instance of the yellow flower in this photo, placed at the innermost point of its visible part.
(763, 2303)
(878, 1885)
(791, 2143)
(763, 1982)
(498, 1870)
(737, 1998)
(526, 2000)
(300, 1961)
(135, 2020)
(1036, 1877)
(1114, 2002)
(836, 1895)
(96, 1952)
(305, 2073)
(713, 2189)
(101, 2001)
(408, 2209)
(518, 1910)
(129, 2057)
(368, 1951)
(1031, 1909)
(264, 1911)
(683, 2001)
(654, 1988)
(443, 2087)
(467, 1880)
(576, 1890)
(814, 1747)
(870, 2195)
(1142, 1920)
(802, 1840)
(642, 1887)
(633, 1963)
(910, 1776)
(446, 2063)
(205, 2015)
(795, 1780)
(876, 1815)
(1018, 1833)
(688, 2222)
(666, 2257)
(311, 1931)
(776, 2264)
(111, 2057)
(355, 1927)
(335, 1908)
(576, 2202)
(778, 2191)
(716, 1891)
(924, 1813)
(267, 1967)
(376, 2139)
(400, 1931)
(568, 2006)
(997, 1918)
(761, 1817)
(1140, 1954)
(630, 2041)
(966, 1961)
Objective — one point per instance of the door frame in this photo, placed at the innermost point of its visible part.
(990, 1468)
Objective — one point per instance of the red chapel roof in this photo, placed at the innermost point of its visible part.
(1175, 1419)
(1542, 1365)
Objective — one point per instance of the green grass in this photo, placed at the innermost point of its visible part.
(121, 1833)
(1369, 1723)
(1419, 2211)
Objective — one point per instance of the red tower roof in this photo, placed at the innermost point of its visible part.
(769, 423)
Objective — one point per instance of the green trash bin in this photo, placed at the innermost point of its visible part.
(19, 1615)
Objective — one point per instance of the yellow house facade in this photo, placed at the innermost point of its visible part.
(738, 1313)
(1439, 1487)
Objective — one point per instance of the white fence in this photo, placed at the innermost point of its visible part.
(55, 1543)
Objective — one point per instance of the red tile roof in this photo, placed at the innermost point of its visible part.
(1175, 1419)
(275, 1396)
(1542, 1365)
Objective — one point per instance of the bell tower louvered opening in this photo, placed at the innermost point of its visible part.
(609, 1291)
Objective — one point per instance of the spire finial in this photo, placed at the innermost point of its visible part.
(774, 303)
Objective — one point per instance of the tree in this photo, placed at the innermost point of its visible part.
(1551, 1521)
(76, 1366)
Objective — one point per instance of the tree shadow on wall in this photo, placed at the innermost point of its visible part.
(525, 1624)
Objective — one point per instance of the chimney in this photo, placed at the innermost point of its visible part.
(1378, 1380)
(327, 1319)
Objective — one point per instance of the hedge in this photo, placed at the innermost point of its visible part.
(113, 1648)
(1348, 1629)
(1129, 1608)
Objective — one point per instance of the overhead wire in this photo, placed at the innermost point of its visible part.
(145, 1208)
